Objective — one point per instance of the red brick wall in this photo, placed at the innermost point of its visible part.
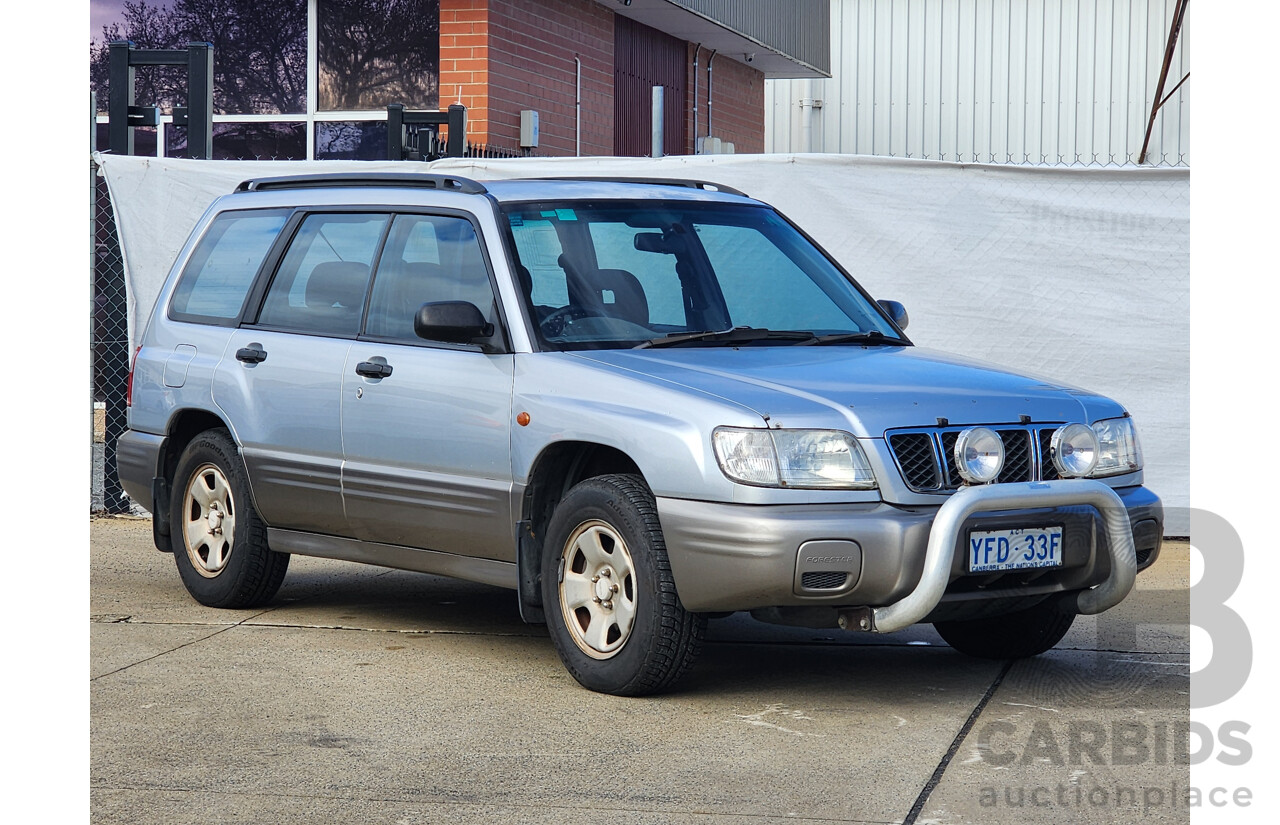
(737, 102)
(464, 62)
(509, 55)
(502, 56)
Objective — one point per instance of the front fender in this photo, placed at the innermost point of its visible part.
(665, 429)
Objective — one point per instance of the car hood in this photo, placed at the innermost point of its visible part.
(866, 390)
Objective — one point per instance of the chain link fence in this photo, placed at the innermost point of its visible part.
(109, 343)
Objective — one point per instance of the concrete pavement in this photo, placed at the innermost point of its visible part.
(370, 695)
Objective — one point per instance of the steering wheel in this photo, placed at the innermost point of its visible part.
(553, 325)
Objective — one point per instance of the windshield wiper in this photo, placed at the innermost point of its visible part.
(737, 335)
(873, 338)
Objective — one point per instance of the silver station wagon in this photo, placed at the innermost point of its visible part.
(637, 404)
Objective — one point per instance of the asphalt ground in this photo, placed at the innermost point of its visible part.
(367, 695)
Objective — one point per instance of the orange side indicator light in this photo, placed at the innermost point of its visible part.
(523, 419)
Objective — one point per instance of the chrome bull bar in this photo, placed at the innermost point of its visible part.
(1024, 495)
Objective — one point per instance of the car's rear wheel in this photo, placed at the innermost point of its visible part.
(612, 608)
(219, 542)
(1014, 635)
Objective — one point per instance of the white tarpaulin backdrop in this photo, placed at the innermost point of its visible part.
(1078, 275)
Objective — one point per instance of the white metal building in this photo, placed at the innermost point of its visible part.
(991, 81)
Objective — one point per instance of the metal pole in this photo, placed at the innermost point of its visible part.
(806, 113)
(457, 145)
(709, 61)
(200, 100)
(395, 131)
(119, 98)
(1178, 13)
(696, 50)
(657, 124)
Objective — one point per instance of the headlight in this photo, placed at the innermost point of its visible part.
(1074, 450)
(1118, 448)
(979, 455)
(810, 459)
(746, 455)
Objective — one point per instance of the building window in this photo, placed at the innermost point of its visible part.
(351, 140)
(374, 52)
(277, 94)
(246, 141)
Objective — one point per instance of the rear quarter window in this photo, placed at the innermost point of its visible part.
(217, 279)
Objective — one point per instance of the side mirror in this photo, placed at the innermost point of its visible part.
(455, 322)
(897, 312)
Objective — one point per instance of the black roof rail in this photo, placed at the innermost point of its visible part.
(706, 185)
(452, 183)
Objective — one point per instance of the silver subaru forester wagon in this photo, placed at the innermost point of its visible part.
(637, 404)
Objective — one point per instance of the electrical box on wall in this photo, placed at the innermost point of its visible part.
(529, 129)
(710, 145)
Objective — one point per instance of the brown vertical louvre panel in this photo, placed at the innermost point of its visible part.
(644, 58)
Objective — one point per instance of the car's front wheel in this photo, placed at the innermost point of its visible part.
(1014, 635)
(219, 542)
(612, 608)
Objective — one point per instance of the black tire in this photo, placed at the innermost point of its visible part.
(616, 518)
(1016, 635)
(243, 572)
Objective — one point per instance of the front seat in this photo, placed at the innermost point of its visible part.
(618, 294)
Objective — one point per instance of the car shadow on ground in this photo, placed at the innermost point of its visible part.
(1107, 658)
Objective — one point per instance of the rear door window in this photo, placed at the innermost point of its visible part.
(216, 281)
(321, 282)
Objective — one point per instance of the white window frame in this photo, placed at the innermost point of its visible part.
(311, 117)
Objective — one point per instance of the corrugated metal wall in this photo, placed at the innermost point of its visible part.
(797, 28)
(643, 58)
(991, 81)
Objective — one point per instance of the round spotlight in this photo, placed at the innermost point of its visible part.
(979, 455)
(1074, 450)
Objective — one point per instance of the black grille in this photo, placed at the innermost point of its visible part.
(921, 453)
(914, 452)
(1017, 456)
(949, 456)
(823, 580)
(1047, 470)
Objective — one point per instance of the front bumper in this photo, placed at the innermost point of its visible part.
(729, 557)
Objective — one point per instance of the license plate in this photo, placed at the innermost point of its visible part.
(1021, 548)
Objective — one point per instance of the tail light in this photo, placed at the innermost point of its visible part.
(128, 390)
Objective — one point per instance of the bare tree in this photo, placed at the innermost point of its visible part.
(375, 52)
(149, 26)
(259, 52)
(259, 48)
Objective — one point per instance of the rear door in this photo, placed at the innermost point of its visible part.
(280, 381)
(427, 444)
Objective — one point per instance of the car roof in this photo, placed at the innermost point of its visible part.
(512, 190)
(537, 189)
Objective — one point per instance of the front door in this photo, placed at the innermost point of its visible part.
(426, 425)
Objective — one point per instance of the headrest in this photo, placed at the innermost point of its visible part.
(337, 282)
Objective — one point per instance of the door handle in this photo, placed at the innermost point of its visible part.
(370, 369)
(252, 354)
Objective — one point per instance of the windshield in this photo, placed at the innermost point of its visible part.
(614, 274)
